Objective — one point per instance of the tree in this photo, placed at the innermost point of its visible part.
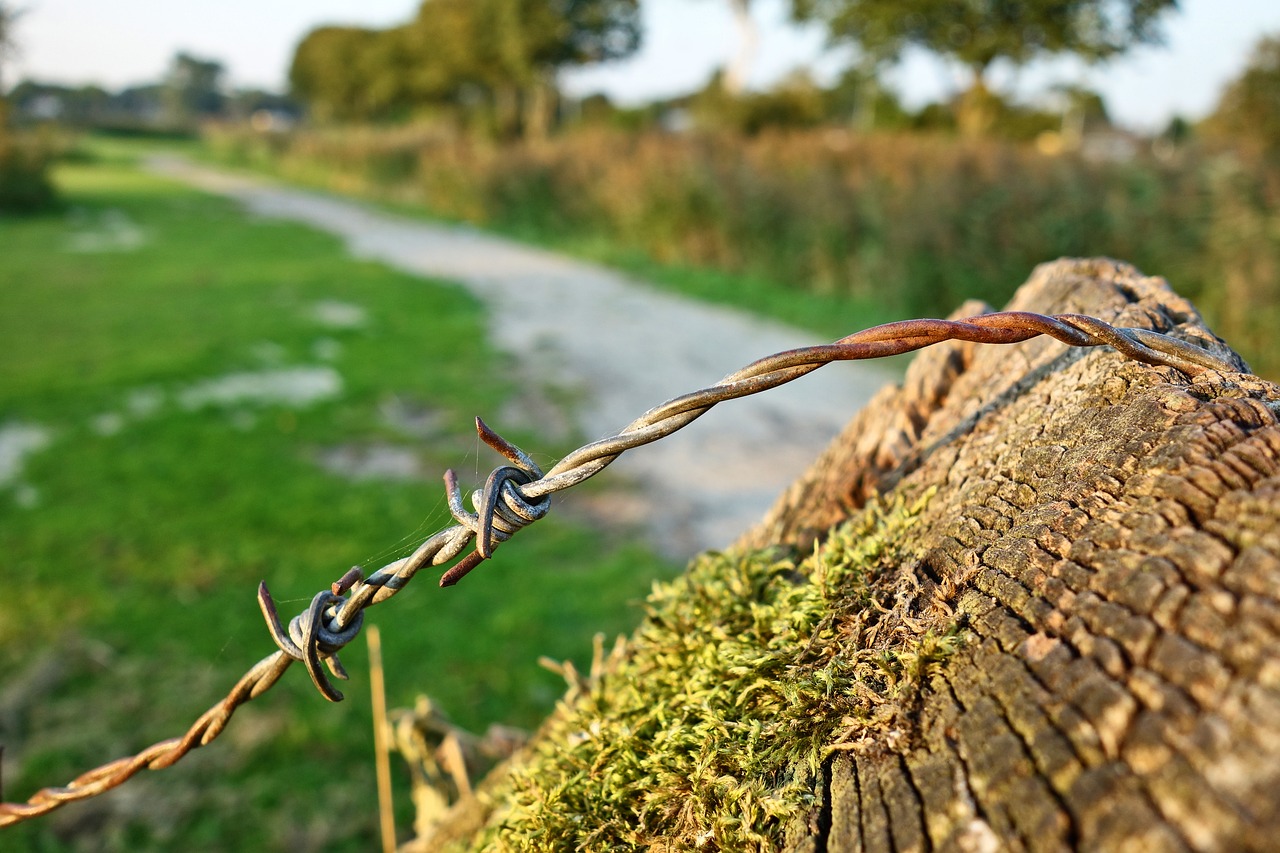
(1249, 109)
(193, 88)
(504, 53)
(796, 101)
(81, 106)
(512, 49)
(8, 19)
(735, 75)
(977, 33)
(24, 167)
(330, 72)
(734, 78)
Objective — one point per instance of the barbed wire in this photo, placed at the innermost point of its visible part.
(516, 495)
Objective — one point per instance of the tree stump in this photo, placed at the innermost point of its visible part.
(1028, 600)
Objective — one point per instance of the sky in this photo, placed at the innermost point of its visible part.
(126, 42)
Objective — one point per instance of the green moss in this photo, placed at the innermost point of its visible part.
(707, 728)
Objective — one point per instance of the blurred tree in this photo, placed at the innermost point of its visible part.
(796, 101)
(1248, 112)
(979, 32)
(859, 98)
(468, 54)
(75, 105)
(24, 167)
(193, 88)
(736, 73)
(139, 107)
(1178, 131)
(8, 18)
(331, 72)
(1083, 110)
(473, 54)
(934, 118)
(511, 50)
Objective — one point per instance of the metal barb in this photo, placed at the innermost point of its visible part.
(501, 507)
(516, 495)
(344, 583)
(312, 636)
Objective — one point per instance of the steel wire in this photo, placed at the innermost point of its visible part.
(518, 494)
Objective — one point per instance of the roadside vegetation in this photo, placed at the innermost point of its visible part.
(24, 156)
(24, 173)
(187, 402)
(826, 228)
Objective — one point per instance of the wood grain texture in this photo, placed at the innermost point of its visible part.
(1109, 535)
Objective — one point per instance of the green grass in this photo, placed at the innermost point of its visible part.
(135, 539)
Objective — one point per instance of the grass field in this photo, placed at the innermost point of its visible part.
(180, 387)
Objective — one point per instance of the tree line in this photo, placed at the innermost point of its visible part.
(495, 59)
(492, 66)
(191, 90)
(494, 62)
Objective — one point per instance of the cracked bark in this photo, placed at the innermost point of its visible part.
(1108, 535)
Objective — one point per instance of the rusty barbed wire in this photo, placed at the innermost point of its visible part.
(519, 494)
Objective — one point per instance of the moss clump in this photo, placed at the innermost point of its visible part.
(706, 729)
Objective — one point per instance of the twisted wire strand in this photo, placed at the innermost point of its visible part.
(516, 495)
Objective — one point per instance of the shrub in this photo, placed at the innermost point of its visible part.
(24, 174)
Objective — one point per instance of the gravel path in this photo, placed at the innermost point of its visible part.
(619, 348)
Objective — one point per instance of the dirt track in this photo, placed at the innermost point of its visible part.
(618, 348)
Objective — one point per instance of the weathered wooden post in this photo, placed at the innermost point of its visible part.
(1058, 627)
